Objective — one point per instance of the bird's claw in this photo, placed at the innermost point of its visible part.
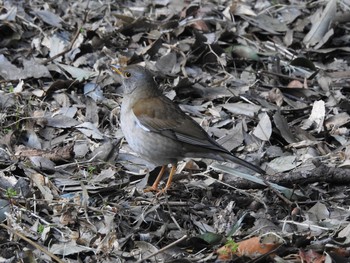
(151, 189)
(157, 191)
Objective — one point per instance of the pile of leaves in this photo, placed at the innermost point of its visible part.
(268, 79)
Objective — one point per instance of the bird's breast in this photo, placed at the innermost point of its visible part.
(152, 146)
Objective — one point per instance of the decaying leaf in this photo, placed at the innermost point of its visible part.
(317, 116)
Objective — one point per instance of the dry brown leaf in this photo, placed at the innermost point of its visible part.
(251, 247)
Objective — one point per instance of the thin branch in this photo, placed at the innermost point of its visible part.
(163, 249)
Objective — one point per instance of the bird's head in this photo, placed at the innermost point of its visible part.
(136, 79)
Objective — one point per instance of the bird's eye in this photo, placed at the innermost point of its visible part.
(127, 74)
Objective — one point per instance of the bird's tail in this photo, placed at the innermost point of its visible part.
(232, 158)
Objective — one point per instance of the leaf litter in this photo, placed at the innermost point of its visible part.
(268, 81)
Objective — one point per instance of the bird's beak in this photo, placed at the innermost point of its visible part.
(117, 69)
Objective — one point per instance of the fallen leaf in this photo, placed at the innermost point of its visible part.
(264, 129)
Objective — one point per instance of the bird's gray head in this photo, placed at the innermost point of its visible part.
(135, 78)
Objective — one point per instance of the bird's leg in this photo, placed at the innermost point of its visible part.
(154, 187)
(170, 179)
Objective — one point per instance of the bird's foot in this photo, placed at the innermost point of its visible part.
(157, 191)
(162, 191)
(151, 189)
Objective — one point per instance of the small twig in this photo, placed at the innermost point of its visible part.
(42, 249)
(171, 214)
(190, 20)
(163, 249)
(217, 57)
(207, 258)
(282, 76)
(21, 119)
(284, 52)
(278, 193)
(305, 225)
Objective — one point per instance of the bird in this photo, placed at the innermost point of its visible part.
(159, 131)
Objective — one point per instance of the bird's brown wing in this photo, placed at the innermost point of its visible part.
(161, 115)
